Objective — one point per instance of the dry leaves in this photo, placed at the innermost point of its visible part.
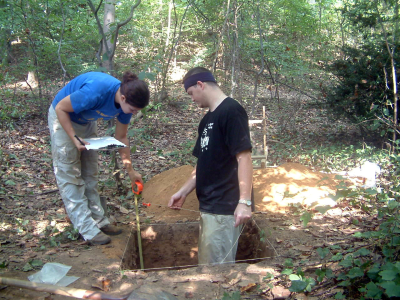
(103, 284)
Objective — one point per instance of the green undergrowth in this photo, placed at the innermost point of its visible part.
(369, 266)
(366, 267)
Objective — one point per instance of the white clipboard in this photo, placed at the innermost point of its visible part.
(105, 143)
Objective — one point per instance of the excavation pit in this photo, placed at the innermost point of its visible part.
(174, 246)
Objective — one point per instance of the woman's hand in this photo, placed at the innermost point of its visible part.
(133, 175)
(78, 143)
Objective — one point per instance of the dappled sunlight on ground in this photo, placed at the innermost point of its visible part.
(277, 188)
(177, 74)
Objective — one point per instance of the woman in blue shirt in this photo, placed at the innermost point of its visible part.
(73, 117)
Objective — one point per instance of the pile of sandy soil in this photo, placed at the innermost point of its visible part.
(274, 190)
(158, 191)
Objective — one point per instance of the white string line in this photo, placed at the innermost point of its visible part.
(197, 211)
(164, 224)
(244, 225)
(155, 224)
(276, 252)
(201, 265)
(126, 246)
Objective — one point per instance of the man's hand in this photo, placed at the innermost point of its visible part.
(242, 214)
(177, 200)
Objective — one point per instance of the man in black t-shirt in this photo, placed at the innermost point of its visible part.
(223, 174)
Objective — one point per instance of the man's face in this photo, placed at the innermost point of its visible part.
(196, 92)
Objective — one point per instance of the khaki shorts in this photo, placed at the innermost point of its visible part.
(218, 239)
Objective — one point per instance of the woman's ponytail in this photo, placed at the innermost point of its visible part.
(129, 76)
(135, 90)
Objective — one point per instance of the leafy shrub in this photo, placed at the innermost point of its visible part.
(365, 86)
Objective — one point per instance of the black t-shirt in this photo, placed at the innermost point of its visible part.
(223, 133)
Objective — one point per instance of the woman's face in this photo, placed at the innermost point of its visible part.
(127, 108)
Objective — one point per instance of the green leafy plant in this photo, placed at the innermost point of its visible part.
(3, 263)
(233, 296)
(33, 264)
(22, 225)
(268, 278)
(72, 234)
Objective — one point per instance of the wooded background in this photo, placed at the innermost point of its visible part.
(342, 53)
(324, 70)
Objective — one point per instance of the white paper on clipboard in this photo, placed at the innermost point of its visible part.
(104, 143)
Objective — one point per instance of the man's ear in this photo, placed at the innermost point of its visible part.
(201, 84)
(123, 98)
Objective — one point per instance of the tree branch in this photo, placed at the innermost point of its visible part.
(389, 123)
(173, 46)
(59, 44)
(100, 27)
(119, 25)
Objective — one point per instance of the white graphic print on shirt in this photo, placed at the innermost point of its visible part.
(205, 138)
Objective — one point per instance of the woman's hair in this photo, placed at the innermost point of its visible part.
(135, 90)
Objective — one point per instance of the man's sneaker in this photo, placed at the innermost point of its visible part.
(99, 239)
(111, 230)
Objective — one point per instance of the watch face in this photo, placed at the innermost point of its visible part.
(247, 202)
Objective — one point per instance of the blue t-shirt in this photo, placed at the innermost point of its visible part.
(93, 97)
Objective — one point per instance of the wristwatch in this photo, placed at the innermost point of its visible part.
(247, 202)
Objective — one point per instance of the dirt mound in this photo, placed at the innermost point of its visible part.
(159, 189)
(274, 190)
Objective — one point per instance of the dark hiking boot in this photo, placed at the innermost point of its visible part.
(99, 239)
(111, 230)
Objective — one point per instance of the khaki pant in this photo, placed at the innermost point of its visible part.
(77, 176)
(218, 239)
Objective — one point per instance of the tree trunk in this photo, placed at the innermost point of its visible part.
(5, 47)
(112, 36)
(220, 36)
(396, 98)
(341, 22)
(170, 6)
(262, 60)
(173, 48)
(393, 66)
(234, 51)
(108, 47)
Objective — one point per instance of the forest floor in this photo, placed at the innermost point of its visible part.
(34, 229)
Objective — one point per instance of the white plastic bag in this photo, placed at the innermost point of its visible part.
(53, 273)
